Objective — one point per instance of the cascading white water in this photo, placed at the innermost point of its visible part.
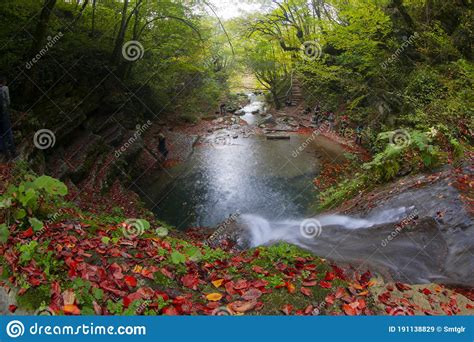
(262, 231)
(364, 242)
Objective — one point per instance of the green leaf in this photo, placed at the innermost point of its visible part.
(5, 202)
(4, 233)
(144, 224)
(177, 258)
(20, 214)
(193, 253)
(105, 240)
(97, 293)
(161, 232)
(51, 185)
(35, 223)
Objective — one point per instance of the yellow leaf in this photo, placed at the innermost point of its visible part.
(214, 297)
(137, 269)
(217, 282)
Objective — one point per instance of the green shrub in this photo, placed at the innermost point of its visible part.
(30, 202)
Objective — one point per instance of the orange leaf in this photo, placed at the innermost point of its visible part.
(349, 310)
(290, 287)
(371, 283)
(71, 309)
(217, 282)
(214, 297)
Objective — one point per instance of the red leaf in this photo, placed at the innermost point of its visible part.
(190, 281)
(340, 292)
(426, 291)
(325, 284)
(310, 283)
(259, 269)
(330, 299)
(130, 281)
(241, 284)
(402, 287)
(170, 311)
(243, 306)
(306, 291)
(229, 288)
(329, 276)
(27, 233)
(252, 294)
(287, 309)
(12, 308)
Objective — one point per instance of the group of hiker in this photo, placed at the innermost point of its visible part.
(7, 145)
(319, 117)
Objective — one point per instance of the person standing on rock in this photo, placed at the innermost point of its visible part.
(162, 145)
(331, 119)
(222, 109)
(6, 134)
(359, 130)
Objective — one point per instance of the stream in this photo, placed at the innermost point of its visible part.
(268, 183)
(237, 170)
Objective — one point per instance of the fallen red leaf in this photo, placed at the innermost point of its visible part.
(130, 281)
(287, 309)
(306, 291)
(325, 284)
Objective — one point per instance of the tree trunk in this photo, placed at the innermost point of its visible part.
(94, 3)
(39, 38)
(121, 35)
